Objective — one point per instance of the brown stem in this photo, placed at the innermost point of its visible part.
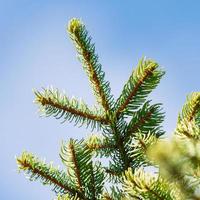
(142, 120)
(135, 89)
(74, 160)
(53, 180)
(94, 77)
(48, 101)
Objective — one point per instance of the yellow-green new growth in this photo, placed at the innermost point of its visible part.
(74, 25)
(143, 185)
(188, 124)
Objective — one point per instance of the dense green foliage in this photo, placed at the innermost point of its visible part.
(128, 134)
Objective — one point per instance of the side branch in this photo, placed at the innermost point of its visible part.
(78, 160)
(76, 168)
(121, 147)
(49, 175)
(54, 103)
(147, 119)
(89, 59)
(100, 145)
(189, 118)
(143, 185)
(147, 73)
(141, 82)
(191, 107)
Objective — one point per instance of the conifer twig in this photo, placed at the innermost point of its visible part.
(52, 102)
(89, 59)
(147, 119)
(47, 173)
(141, 82)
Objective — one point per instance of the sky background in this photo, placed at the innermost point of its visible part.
(36, 52)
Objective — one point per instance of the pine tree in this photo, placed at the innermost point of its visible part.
(129, 137)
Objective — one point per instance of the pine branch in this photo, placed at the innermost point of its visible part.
(138, 148)
(96, 182)
(147, 119)
(87, 177)
(116, 132)
(128, 145)
(113, 174)
(47, 174)
(180, 164)
(100, 145)
(191, 107)
(121, 155)
(76, 167)
(142, 185)
(89, 59)
(188, 124)
(74, 160)
(188, 129)
(53, 103)
(141, 82)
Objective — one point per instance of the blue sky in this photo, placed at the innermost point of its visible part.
(36, 52)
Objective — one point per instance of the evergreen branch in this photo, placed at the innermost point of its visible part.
(120, 160)
(100, 145)
(144, 186)
(139, 146)
(179, 164)
(72, 158)
(88, 178)
(53, 103)
(129, 145)
(96, 182)
(147, 119)
(188, 124)
(114, 170)
(47, 174)
(191, 107)
(188, 129)
(75, 162)
(113, 174)
(116, 132)
(169, 160)
(93, 184)
(141, 82)
(89, 59)
(197, 119)
(122, 151)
